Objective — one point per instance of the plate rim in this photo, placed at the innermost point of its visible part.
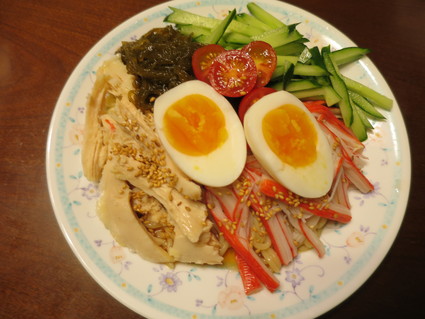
(123, 297)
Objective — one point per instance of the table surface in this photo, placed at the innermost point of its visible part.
(40, 44)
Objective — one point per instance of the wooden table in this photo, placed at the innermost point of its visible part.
(40, 44)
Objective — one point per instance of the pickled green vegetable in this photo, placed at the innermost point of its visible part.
(160, 60)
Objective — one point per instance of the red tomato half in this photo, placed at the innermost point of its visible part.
(251, 98)
(233, 73)
(202, 59)
(265, 60)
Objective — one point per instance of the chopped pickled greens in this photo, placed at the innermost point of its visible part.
(159, 60)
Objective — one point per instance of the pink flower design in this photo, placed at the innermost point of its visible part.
(76, 134)
(356, 239)
(117, 254)
(231, 298)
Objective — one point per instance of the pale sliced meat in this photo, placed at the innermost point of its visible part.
(115, 212)
(201, 252)
(94, 151)
(188, 215)
(141, 127)
(122, 151)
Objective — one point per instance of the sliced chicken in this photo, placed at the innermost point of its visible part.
(123, 152)
(110, 95)
(130, 164)
(116, 213)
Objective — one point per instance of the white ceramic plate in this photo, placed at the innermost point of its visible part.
(310, 286)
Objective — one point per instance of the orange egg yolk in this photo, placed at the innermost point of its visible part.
(195, 125)
(291, 135)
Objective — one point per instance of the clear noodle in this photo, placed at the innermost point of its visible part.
(271, 259)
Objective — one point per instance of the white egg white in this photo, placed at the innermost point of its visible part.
(313, 180)
(223, 165)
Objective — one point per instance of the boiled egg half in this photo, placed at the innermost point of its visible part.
(201, 132)
(288, 142)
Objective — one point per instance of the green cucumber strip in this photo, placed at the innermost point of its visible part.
(273, 37)
(316, 93)
(306, 94)
(326, 49)
(237, 38)
(292, 37)
(376, 98)
(277, 85)
(320, 93)
(340, 88)
(293, 48)
(229, 45)
(278, 72)
(363, 116)
(309, 93)
(281, 59)
(179, 16)
(316, 57)
(298, 85)
(358, 127)
(305, 56)
(252, 21)
(300, 69)
(323, 80)
(348, 55)
(292, 27)
(264, 16)
(282, 76)
(237, 26)
(287, 76)
(365, 105)
(314, 98)
(192, 30)
(330, 95)
(277, 37)
(218, 31)
(309, 70)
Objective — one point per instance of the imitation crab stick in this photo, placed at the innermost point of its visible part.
(342, 138)
(271, 224)
(356, 177)
(281, 219)
(250, 281)
(345, 136)
(240, 245)
(344, 160)
(281, 241)
(275, 190)
(312, 237)
(278, 238)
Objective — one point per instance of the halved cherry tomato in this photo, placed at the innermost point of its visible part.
(233, 73)
(251, 98)
(202, 59)
(265, 60)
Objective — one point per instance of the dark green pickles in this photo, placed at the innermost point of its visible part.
(160, 60)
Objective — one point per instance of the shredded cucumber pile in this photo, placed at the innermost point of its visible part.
(309, 73)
